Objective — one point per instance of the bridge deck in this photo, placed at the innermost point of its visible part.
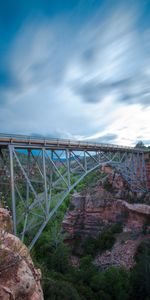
(34, 142)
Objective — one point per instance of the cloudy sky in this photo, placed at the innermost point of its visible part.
(76, 69)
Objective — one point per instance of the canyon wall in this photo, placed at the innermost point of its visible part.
(96, 209)
(90, 214)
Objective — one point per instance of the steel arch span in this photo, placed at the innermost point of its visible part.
(41, 173)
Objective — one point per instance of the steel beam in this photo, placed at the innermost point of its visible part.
(13, 196)
(45, 183)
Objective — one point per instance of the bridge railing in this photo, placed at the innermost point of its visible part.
(47, 140)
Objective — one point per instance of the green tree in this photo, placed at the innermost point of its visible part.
(113, 284)
(59, 290)
(140, 144)
(140, 275)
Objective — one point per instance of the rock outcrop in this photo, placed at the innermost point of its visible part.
(96, 209)
(18, 277)
(122, 254)
(91, 214)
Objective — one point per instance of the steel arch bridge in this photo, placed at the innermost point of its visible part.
(40, 173)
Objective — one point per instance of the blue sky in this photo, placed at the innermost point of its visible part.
(76, 69)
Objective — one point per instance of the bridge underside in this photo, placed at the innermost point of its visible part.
(37, 180)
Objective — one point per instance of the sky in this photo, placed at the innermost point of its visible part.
(76, 69)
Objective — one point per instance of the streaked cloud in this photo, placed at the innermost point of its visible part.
(86, 81)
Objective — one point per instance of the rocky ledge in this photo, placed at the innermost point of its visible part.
(89, 214)
(19, 279)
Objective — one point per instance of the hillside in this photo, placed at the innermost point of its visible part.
(97, 245)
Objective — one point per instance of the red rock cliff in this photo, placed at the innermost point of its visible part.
(95, 209)
(18, 277)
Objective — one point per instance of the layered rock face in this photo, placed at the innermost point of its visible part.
(18, 277)
(96, 209)
(91, 214)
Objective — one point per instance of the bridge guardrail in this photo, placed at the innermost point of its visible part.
(46, 140)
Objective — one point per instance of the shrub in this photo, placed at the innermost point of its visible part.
(54, 289)
(117, 228)
(59, 259)
(112, 284)
(104, 242)
(108, 186)
(140, 275)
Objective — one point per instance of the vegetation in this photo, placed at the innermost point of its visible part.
(108, 186)
(63, 281)
(140, 275)
(140, 144)
(104, 241)
(90, 180)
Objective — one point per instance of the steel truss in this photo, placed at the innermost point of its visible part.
(41, 178)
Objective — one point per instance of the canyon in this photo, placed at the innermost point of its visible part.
(97, 208)
(94, 208)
